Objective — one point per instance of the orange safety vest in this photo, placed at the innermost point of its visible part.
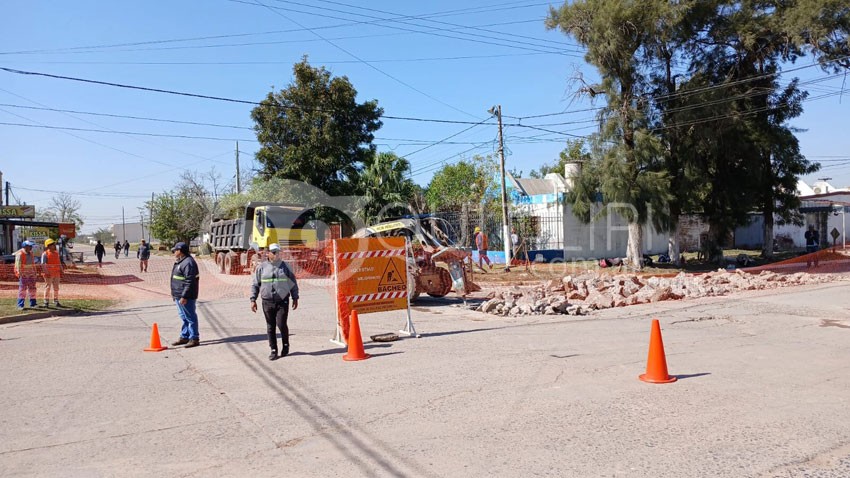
(24, 264)
(50, 263)
(483, 245)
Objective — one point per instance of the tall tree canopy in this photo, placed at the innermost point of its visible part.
(385, 187)
(469, 181)
(315, 131)
(619, 38)
(62, 208)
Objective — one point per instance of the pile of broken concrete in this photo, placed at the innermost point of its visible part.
(582, 294)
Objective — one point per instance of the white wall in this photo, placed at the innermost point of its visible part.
(606, 237)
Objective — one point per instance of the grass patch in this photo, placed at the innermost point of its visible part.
(9, 307)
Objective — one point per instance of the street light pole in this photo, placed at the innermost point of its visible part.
(506, 229)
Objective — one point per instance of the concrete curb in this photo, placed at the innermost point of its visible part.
(36, 315)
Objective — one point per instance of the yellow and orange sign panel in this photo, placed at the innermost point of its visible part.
(371, 274)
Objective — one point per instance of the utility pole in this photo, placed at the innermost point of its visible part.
(506, 228)
(142, 219)
(150, 215)
(238, 180)
(123, 224)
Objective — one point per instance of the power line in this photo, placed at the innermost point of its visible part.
(400, 19)
(249, 63)
(482, 9)
(475, 37)
(134, 133)
(413, 142)
(101, 195)
(41, 125)
(397, 80)
(109, 115)
(447, 138)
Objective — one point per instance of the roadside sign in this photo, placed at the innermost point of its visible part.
(68, 229)
(834, 234)
(17, 211)
(370, 275)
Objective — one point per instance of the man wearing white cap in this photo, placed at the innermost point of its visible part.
(275, 283)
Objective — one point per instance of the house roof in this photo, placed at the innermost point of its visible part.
(533, 187)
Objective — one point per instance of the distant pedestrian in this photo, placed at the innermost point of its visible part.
(481, 243)
(275, 283)
(25, 272)
(184, 291)
(514, 243)
(812, 245)
(126, 248)
(144, 253)
(51, 270)
(117, 249)
(99, 252)
(64, 255)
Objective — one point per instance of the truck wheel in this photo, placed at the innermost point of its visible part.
(229, 263)
(219, 261)
(445, 284)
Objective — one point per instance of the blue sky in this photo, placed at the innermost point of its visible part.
(473, 55)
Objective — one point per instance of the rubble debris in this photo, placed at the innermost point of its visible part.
(582, 294)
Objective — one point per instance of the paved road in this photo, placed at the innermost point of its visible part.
(763, 392)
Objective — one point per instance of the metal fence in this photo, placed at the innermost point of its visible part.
(542, 228)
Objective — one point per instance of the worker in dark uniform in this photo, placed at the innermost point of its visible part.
(274, 283)
(184, 291)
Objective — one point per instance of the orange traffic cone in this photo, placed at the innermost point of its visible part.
(656, 362)
(355, 341)
(156, 344)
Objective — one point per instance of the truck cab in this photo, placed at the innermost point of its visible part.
(287, 225)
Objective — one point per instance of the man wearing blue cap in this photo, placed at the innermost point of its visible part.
(25, 272)
(184, 290)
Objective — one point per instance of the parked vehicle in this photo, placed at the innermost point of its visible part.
(431, 245)
(262, 224)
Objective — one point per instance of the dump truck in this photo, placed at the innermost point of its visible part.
(236, 242)
(431, 245)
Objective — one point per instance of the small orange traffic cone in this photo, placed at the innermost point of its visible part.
(656, 362)
(156, 344)
(355, 341)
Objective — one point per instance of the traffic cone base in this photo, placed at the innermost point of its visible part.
(648, 379)
(355, 341)
(156, 343)
(656, 362)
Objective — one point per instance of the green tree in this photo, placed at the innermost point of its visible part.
(751, 155)
(104, 235)
(575, 152)
(176, 217)
(620, 39)
(385, 187)
(315, 131)
(464, 182)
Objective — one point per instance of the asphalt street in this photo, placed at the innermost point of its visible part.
(762, 392)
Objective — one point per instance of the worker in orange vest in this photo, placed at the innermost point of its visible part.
(482, 244)
(25, 272)
(51, 269)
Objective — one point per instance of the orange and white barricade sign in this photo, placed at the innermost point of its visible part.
(371, 275)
